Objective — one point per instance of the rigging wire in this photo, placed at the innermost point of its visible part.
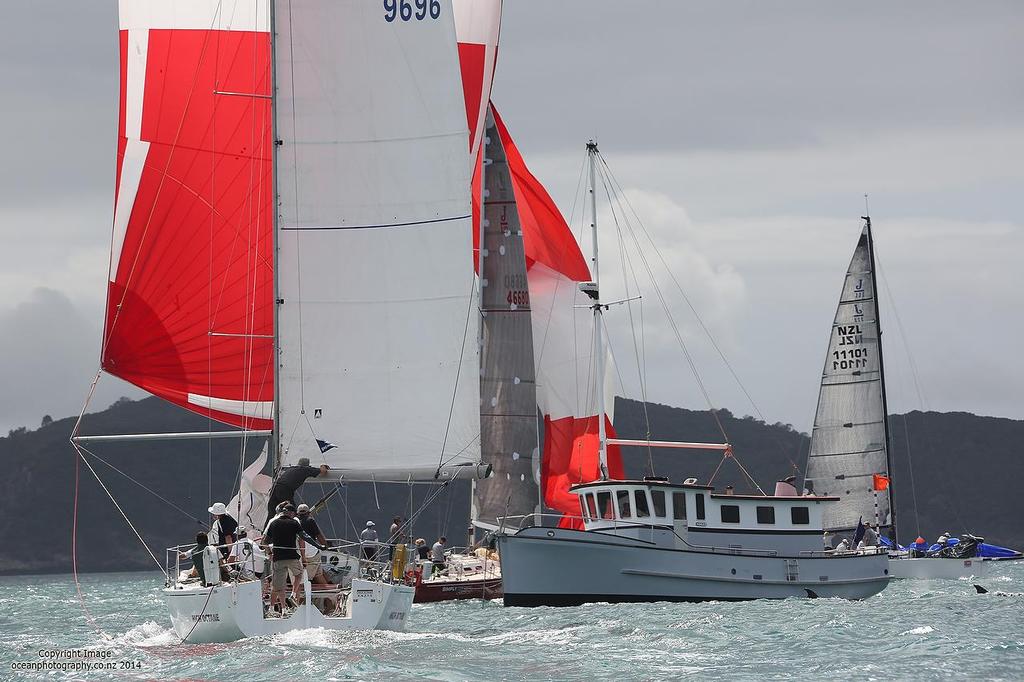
(615, 200)
(470, 315)
(915, 380)
(700, 320)
(641, 365)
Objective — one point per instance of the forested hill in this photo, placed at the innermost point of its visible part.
(965, 475)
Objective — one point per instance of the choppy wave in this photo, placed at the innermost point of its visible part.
(912, 629)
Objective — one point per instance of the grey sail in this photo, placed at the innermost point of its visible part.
(848, 443)
(508, 395)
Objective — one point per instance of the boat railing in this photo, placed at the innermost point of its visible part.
(613, 525)
(371, 560)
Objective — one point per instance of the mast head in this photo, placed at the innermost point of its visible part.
(591, 147)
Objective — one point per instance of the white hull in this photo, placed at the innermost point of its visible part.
(561, 567)
(232, 611)
(936, 568)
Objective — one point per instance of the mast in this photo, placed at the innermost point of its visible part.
(602, 439)
(274, 442)
(473, 511)
(881, 375)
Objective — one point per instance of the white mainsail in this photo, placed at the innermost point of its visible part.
(508, 406)
(377, 328)
(848, 443)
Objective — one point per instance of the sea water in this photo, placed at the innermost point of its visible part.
(912, 630)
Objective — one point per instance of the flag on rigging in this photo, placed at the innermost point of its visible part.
(858, 535)
(879, 482)
(325, 445)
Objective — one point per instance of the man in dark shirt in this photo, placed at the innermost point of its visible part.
(198, 566)
(289, 480)
(284, 537)
(313, 536)
(310, 527)
(224, 527)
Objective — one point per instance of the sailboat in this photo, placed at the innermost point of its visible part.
(530, 265)
(851, 451)
(290, 256)
(622, 540)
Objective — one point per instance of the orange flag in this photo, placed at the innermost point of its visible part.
(879, 481)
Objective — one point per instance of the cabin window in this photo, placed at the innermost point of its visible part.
(643, 510)
(592, 506)
(583, 507)
(658, 498)
(700, 507)
(800, 515)
(679, 506)
(604, 503)
(766, 514)
(730, 513)
(622, 496)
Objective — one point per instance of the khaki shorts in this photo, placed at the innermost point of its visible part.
(284, 568)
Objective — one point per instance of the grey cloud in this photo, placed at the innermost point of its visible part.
(49, 353)
(648, 75)
(763, 122)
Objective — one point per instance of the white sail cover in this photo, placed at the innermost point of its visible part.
(249, 506)
(848, 444)
(375, 272)
(508, 392)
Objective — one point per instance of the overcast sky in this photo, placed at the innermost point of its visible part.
(745, 134)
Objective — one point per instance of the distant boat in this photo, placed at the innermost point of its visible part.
(290, 257)
(850, 454)
(622, 540)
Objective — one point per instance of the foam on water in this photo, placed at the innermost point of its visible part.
(921, 626)
(923, 630)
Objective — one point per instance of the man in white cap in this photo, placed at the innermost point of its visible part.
(224, 526)
(368, 540)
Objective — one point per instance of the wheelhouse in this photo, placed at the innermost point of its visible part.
(696, 515)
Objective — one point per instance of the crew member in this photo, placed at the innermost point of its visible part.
(289, 480)
(224, 527)
(284, 536)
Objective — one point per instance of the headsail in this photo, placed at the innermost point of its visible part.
(377, 327)
(190, 298)
(562, 339)
(477, 24)
(848, 443)
(508, 408)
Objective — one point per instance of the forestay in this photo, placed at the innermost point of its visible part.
(508, 408)
(375, 271)
(848, 444)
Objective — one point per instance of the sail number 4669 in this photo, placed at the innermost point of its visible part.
(407, 9)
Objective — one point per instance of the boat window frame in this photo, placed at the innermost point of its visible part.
(678, 506)
(701, 509)
(806, 515)
(604, 502)
(661, 512)
(640, 498)
(592, 507)
(624, 513)
(731, 508)
(769, 511)
(583, 507)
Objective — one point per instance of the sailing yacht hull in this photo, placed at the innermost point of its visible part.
(934, 568)
(562, 567)
(233, 611)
